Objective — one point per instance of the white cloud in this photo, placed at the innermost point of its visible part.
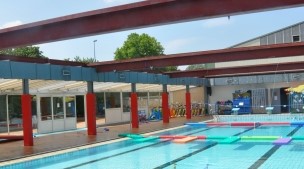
(216, 22)
(11, 24)
(175, 46)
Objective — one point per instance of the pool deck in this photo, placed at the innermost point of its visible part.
(61, 141)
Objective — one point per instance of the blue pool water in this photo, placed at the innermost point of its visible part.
(202, 154)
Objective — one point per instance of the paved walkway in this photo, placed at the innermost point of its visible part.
(55, 142)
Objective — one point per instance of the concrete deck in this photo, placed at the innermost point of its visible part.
(55, 142)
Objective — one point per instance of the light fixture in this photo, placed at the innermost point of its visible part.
(94, 50)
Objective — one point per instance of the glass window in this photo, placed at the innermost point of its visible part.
(296, 38)
(58, 107)
(3, 114)
(100, 109)
(154, 94)
(70, 106)
(80, 111)
(113, 100)
(34, 112)
(126, 102)
(142, 98)
(34, 105)
(155, 98)
(45, 108)
(15, 113)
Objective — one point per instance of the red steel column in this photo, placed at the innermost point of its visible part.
(91, 110)
(188, 103)
(134, 107)
(165, 106)
(26, 107)
(91, 113)
(134, 110)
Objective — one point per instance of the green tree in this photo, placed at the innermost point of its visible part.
(28, 51)
(138, 46)
(83, 60)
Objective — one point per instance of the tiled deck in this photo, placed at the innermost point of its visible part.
(55, 142)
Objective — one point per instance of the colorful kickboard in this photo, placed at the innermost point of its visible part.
(135, 136)
(123, 134)
(144, 139)
(171, 137)
(201, 137)
(179, 137)
(259, 137)
(229, 140)
(185, 140)
(130, 135)
(282, 141)
(298, 137)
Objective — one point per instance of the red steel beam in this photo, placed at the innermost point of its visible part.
(136, 15)
(241, 70)
(223, 55)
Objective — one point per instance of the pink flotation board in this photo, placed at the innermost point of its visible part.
(282, 141)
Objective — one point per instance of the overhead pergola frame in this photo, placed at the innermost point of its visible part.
(214, 56)
(135, 15)
(131, 16)
(142, 14)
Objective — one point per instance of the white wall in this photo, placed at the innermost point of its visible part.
(260, 61)
(255, 42)
(196, 93)
(224, 93)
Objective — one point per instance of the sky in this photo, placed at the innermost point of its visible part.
(185, 37)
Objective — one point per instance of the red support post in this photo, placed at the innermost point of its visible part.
(165, 107)
(188, 105)
(26, 107)
(91, 113)
(134, 110)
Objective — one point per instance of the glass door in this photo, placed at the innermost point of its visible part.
(3, 115)
(70, 111)
(45, 118)
(58, 114)
(15, 114)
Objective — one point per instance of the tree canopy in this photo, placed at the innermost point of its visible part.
(83, 60)
(137, 46)
(28, 51)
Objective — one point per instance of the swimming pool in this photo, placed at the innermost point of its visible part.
(200, 153)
